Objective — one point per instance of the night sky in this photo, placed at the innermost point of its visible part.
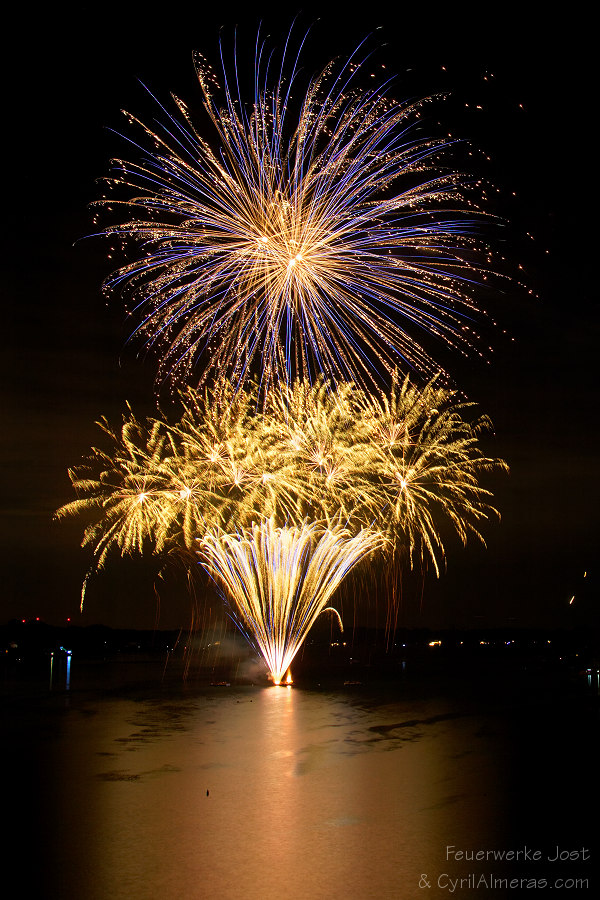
(65, 352)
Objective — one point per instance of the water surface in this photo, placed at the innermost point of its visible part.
(264, 793)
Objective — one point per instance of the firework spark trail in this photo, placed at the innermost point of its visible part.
(296, 261)
(406, 463)
(312, 237)
(277, 581)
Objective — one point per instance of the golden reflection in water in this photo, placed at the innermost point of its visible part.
(309, 795)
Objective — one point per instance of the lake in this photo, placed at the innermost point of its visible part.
(156, 789)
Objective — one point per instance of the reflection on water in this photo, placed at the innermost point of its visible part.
(593, 679)
(269, 793)
(60, 669)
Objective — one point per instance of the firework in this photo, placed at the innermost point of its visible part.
(314, 234)
(277, 581)
(406, 464)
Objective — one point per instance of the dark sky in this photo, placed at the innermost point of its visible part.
(66, 361)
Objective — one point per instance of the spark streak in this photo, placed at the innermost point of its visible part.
(316, 234)
(404, 463)
(285, 269)
(277, 581)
